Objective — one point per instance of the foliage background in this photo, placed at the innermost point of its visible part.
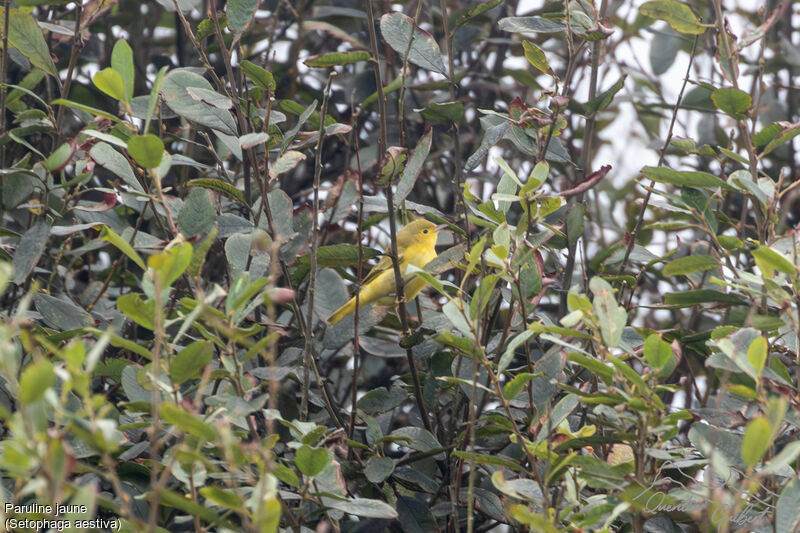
(190, 188)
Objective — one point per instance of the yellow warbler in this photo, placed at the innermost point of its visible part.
(416, 245)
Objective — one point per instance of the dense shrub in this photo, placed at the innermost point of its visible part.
(609, 338)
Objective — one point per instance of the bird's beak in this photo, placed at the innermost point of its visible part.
(440, 227)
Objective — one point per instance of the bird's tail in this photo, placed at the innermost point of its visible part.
(342, 312)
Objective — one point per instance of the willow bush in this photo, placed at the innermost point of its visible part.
(609, 337)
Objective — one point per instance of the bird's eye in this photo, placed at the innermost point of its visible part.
(425, 231)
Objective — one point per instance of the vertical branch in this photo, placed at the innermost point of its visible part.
(401, 99)
(3, 91)
(744, 133)
(312, 283)
(586, 157)
(373, 40)
(359, 268)
(398, 277)
(662, 154)
(457, 160)
(244, 125)
(155, 400)
(77, 46)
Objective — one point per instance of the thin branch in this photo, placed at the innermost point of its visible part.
(586, 159)
(312, 283)
(661, 156)
(398, 277)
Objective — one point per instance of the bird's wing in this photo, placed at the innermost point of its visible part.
(383, 265)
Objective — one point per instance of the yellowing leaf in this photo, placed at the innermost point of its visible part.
(676, 14)
(535, 56)
(110, 82)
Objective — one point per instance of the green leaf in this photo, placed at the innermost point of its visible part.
(756, 441)
(286, 162)
(29, 250)
(122, 63)
(744, 179)
(197, 214)
(592, 365)
(494, 460)
(466, 15)
(200, 252)
(378, 469)
(220, 186)
(152, 100)
(336, 59)
(147, 150)
(535, 56)
(446, 338)
(686, 178)
(210, 97)
(604, 99)
(191, 360)
(689, 264)
(41, 2)
(25, 35)
(311, 461)
(786, 517)
(634, 378)
(86, 109)
(419, 439)
(60, 313)
(251, 140)
(610, 316)
(785, 135)
(240, 13)
(191, 508)
(445, 112)
(141, 312)
(576, 217)
(35, 380)
(397, 28)
(261, 77)
(768, 260)
(110, 82)
(187, 422)
(537, 25)
(732, 101)
(757, 354)
(59, 158)
(657, 352)
(535, 521)
(663, 49)
(170, 264)
(676, 14)
(729, 242)
(783, 459)
(414, 166)
(176, 95)
(339, 255)
(392, 164)
(700, 296)
(225, 498)
(482, 295)
(365, 507)
(515, 386)
(766, 134)
(107, 234)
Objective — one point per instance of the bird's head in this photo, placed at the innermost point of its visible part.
(417, 232)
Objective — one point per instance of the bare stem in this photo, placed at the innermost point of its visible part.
(662, 154)
(312, 283)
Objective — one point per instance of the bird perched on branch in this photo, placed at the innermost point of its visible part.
(416, 245)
